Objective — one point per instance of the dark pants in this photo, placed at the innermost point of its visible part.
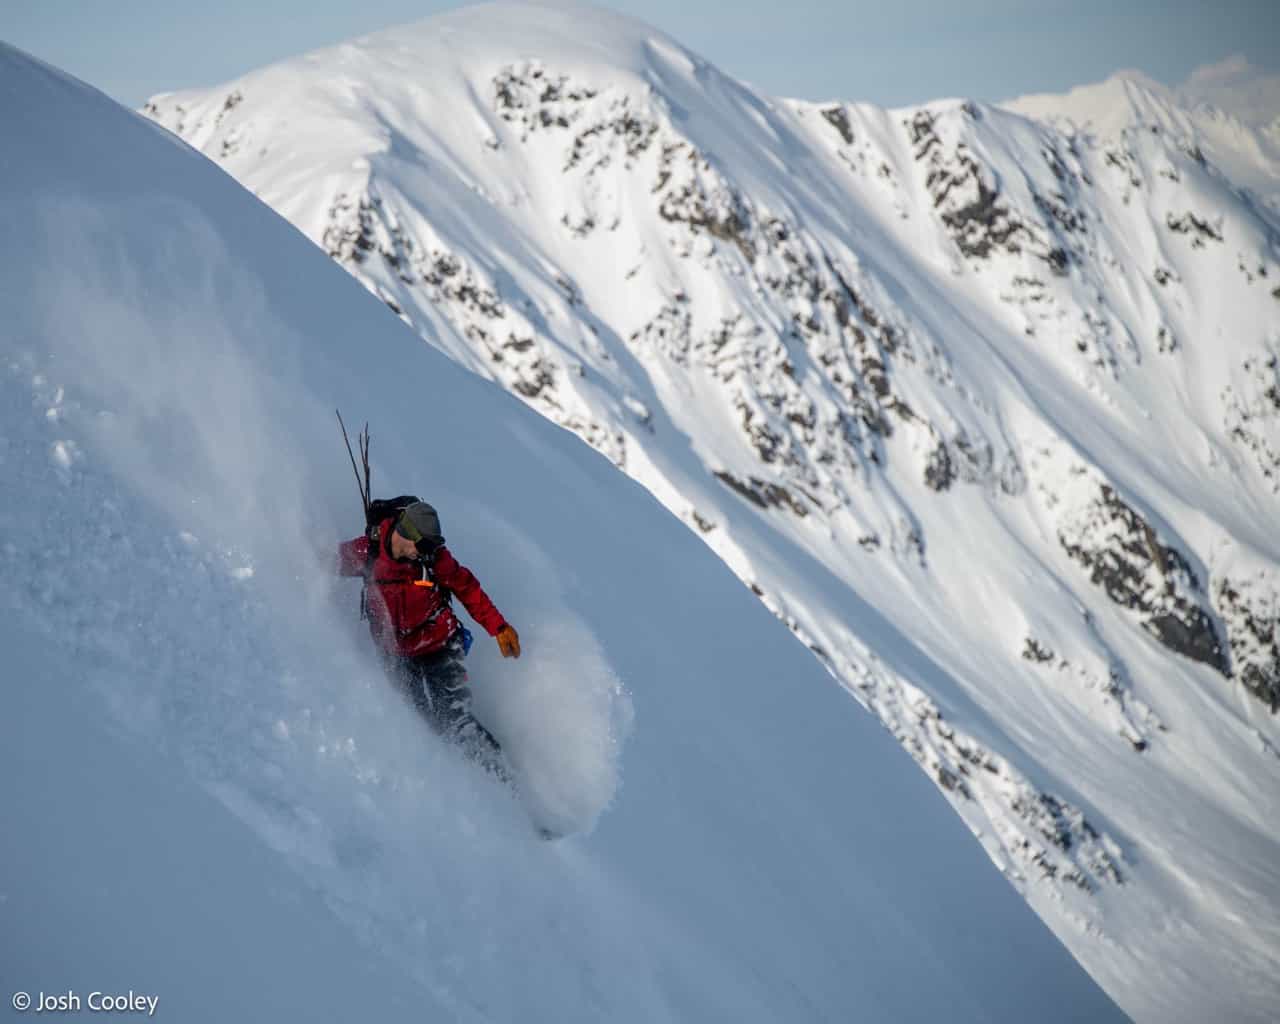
(436, 684)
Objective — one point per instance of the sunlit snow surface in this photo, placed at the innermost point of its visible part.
(936, 336)
(211, 794)
(1243, 139)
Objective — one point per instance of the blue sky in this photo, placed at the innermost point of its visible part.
(903, 51)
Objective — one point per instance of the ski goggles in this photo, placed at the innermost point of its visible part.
(406, 528)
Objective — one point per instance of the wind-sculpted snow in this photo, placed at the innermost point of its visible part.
(216, 796)
(977, 407)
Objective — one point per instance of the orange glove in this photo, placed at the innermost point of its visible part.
(508, 642)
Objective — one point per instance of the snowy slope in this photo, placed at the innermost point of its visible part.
(213, 795)
(984, 411)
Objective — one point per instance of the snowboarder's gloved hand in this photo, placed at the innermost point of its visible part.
(508, 642)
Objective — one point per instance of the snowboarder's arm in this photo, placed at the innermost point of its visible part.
(351, 557)
(459, 579)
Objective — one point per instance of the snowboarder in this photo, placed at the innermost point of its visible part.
(410, 578)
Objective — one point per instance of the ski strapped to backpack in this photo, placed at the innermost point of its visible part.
(376, 512)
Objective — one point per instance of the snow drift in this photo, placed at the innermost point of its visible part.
(216, 797)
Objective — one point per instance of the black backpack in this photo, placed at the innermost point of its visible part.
(380, 509)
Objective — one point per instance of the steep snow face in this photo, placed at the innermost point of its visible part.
(216, 797)
(985, 412)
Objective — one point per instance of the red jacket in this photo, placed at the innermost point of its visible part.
(406, 617)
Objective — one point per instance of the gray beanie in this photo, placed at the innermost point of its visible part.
(419, 522)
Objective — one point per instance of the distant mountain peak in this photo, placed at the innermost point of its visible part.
(1227, 111)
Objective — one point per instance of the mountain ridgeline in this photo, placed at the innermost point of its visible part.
(214, 777)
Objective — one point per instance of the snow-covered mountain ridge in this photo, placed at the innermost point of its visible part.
(983, 410)
(1241, 139)
(215, 797)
